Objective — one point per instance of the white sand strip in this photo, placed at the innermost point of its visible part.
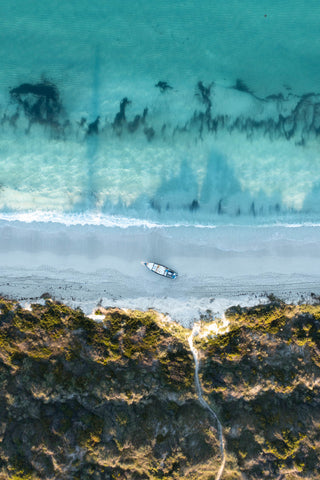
(83, 266)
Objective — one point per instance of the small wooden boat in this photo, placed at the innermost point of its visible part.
(160, 270)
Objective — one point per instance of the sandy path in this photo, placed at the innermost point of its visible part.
(204, 403)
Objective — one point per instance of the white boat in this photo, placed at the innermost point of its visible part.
(160, 269)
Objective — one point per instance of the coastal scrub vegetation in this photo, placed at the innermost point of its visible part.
(263, 379)
(115, 398)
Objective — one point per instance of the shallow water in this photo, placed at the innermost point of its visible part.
(185, 134)
(239, 147)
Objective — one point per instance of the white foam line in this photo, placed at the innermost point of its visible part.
(90, 219)
(98, 219)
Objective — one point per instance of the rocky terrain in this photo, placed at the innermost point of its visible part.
(115, 398)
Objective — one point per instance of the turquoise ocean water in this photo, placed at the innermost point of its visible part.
(160, 113)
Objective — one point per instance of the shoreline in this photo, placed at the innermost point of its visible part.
(87, 266)
(88, 293)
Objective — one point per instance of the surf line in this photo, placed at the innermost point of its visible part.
(195, 331)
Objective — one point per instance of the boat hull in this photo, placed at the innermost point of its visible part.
(161, 270)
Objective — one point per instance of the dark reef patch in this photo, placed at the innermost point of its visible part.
(120, 118)
(295, 118)
(46, 89)
(137, 121)
(40, 102)
(194, 205)
(149, 133)
(163, 86)
(241, 86)
(93, 128)
(203, 93)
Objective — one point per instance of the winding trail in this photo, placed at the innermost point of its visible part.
(195, 331)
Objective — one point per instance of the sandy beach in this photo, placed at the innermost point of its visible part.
(87, 265)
